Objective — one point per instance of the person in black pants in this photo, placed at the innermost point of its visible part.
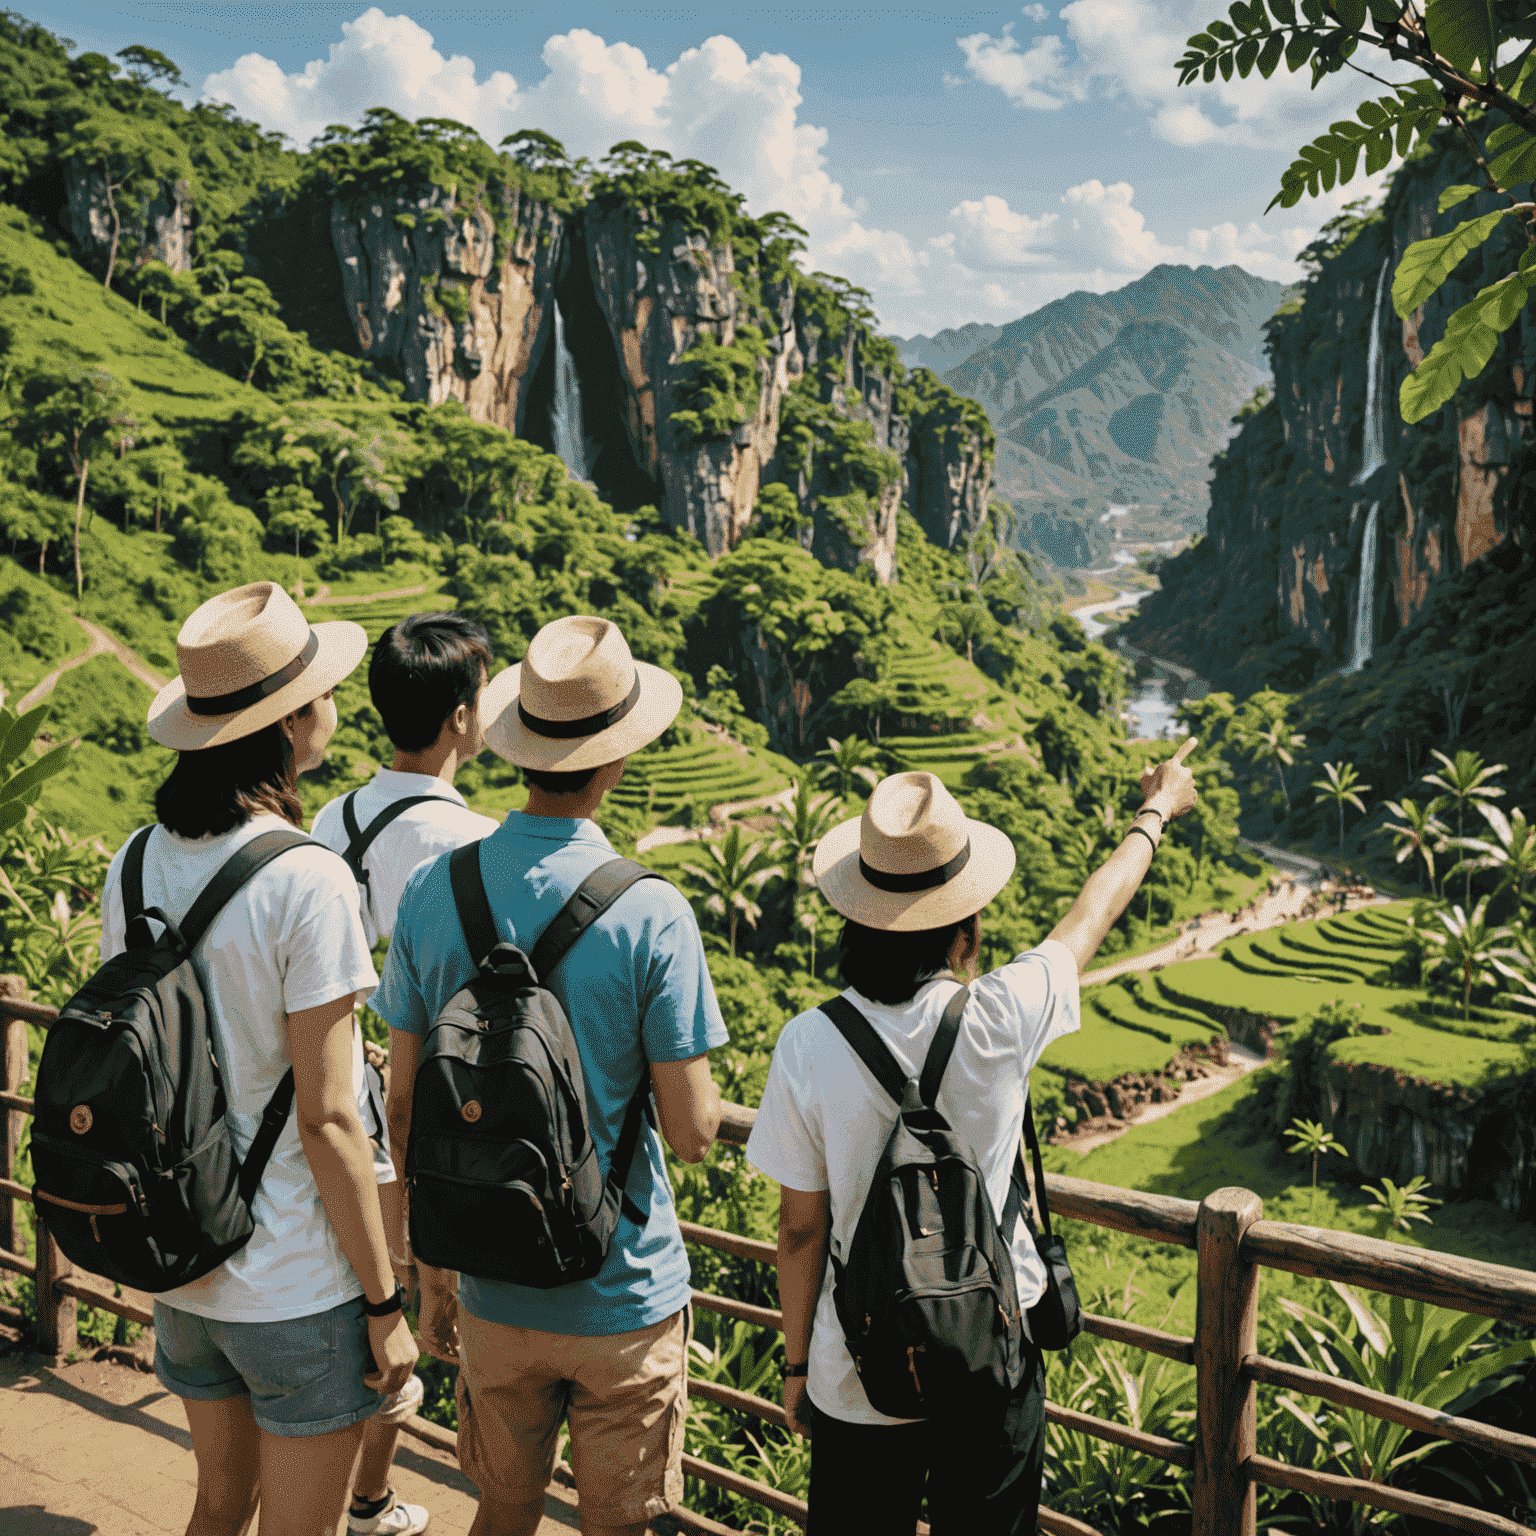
(912, 876)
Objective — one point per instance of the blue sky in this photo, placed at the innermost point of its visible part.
(963, 162)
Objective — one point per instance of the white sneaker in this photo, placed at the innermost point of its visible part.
(395, 1519)
(399, 1406)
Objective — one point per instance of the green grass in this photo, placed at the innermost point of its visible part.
(708, 770)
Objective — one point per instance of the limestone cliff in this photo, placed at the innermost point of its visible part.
(157, 228)
(458, 298)
(1292, 495)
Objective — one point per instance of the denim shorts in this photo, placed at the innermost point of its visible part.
(304, 1375)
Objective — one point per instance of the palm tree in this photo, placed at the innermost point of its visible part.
(1308, 1136)
(733, 877)
(1473, 951)
(1277, 746)
(802, 824)
(1416, 832)
(966, 623)
(1513, 851)
(847, 760)
(1342, 787)
(1464, 779)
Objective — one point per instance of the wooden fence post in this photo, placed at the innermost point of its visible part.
(13, 1052)
(1226, 1329)
(56, 1312)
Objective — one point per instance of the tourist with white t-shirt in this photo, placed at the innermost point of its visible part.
(912, 876)
(425, 678)
(283, 1352)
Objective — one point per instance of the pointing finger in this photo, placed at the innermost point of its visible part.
(1189, 746)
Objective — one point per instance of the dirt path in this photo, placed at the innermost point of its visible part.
(323, 595)
(101, 644)
(659, 837)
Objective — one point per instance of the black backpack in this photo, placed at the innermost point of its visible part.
(503, 1175)
(134, 1169)
(359, 840)
(926, 1294)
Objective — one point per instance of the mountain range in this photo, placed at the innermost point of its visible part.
(1114, 398)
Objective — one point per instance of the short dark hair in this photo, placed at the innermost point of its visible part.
(220, 788)
(559, 783)
(422, 669)
(888, 967)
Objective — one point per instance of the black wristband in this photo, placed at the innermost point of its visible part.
(1142, 831)
(394, 1303)
(803, 1369)
(1152, 810)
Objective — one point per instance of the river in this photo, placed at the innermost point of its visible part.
(1155, 703)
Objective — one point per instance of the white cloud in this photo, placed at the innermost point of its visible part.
(1036, 13)
(1035, 77)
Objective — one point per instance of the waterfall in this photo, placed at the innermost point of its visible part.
(1373, 452)
(1365, 596)
(565, 414)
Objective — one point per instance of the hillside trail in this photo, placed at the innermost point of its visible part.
(660, 837)
(102, 643)
(323, 595)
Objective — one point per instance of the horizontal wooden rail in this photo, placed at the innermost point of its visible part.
(1171, 1346)
(729, 1242)
(1442, 1279)
(736, 1122)
(1349, 1394)
(1161, 1218)
(1327, 1485)
(738, 1401)
(15, 1101)
(15, 1191)
(33, 1013)
(743, 1487)
(1176, 1451)
(96, 1293)
(1064, 1525)
(17, 1263)
(741, 1311)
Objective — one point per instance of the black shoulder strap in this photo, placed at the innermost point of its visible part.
(136, 934)
(259, 1153)
(636, 1116)
(235, 871)
(588, 902)
(1018, 1188)
(942, 1048)
(473, 905)
(867, 1045)
(359, 842)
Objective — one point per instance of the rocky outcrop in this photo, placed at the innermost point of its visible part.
(157, 228)
(456, 297)
(949, 479)
(1292, 494)
(659, 295)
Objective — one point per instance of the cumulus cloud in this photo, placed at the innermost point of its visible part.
(1036, 13)
(1035, 77)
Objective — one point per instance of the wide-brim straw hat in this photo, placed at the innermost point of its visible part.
(577, 700)
(247, 658)
(913, 860)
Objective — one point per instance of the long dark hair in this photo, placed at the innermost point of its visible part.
(220, 788)
(889, 967)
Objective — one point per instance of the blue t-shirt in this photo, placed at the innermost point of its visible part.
(635, 988)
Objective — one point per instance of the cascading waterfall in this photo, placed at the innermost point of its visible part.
(1365, 596)
(1373, 450)
(565, 414)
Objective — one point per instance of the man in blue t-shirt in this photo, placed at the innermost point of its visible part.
(609, 1353)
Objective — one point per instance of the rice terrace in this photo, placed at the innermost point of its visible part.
(1015, 507)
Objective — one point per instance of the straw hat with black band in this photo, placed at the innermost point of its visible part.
(247, 658)
(577, 700)
(913, 860)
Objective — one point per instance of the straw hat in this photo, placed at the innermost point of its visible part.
(247, 658)
(913, 860)
(577, 700)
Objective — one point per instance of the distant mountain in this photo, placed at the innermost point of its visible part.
(1119, 397)
(948, 349)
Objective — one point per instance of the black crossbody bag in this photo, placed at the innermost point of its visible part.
(1057, 1318)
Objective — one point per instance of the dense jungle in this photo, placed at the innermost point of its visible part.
(404, 369)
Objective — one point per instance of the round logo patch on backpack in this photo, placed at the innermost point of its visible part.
(80, 1119)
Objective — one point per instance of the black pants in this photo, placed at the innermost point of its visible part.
(981, 1478)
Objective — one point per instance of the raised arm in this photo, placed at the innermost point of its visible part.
(1168, 789)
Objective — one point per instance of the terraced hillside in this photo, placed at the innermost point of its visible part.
(709, 770)
(1262, 982)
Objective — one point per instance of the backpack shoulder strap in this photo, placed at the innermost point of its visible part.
(259, 1153)
(942, 1047)
(136, 934)
(1018, 1187)
(473, 905)
(359, 842)
(867, 1045)
(233, 874)
(588, 902)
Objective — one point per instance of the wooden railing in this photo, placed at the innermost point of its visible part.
(1226, 1230)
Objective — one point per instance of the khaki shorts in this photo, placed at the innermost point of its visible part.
(626, 1395)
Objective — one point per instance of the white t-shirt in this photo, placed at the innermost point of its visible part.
(291, 939)
(824, 1120)
(418, 834)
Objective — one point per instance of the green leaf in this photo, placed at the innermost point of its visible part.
(1471, 338)
(1457, 194)
(1284, 11)
(19, 737)
(1274, 46)
(11, 815)
(1298, 51)
(31, 777)
(1460, 30)
(1351, 13)
(1516, 165)
(1378, 151)
(1375, 113)
(1427, 263)
(1508, 134)
(1222, 30)
(1247, 52)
